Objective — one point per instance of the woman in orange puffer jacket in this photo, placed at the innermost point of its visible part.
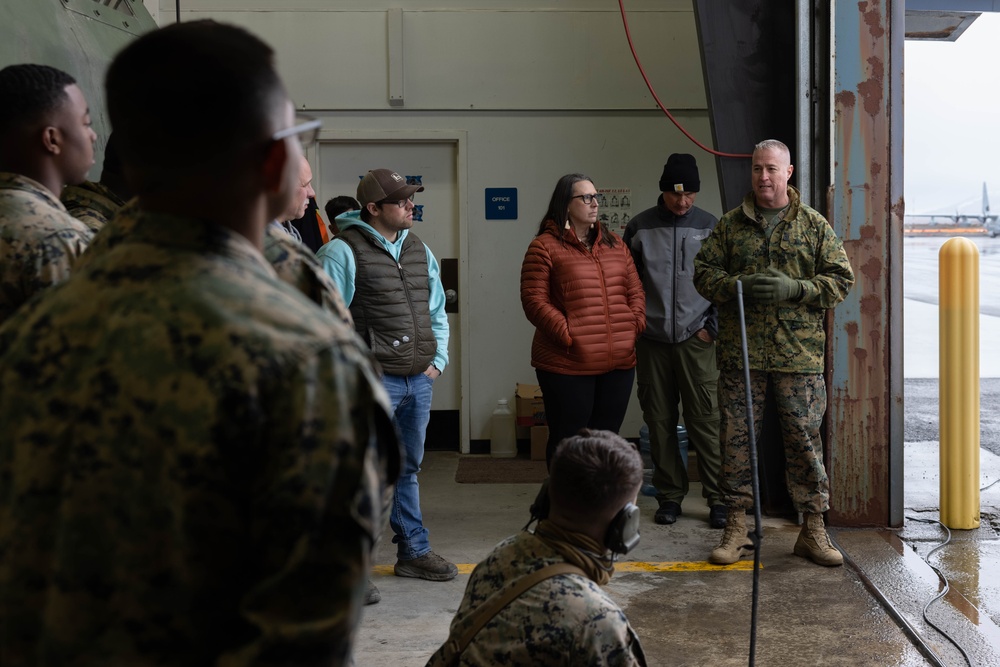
(581, 290)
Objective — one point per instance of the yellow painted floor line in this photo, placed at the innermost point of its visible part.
(681, 566)
(627, 566)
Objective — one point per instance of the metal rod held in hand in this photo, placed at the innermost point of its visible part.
(756, 535)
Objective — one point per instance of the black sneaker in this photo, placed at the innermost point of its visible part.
(668, 513)
(430, 566)
(372, 595)
(717, 516)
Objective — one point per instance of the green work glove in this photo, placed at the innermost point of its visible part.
(748, 282)
(775, 286)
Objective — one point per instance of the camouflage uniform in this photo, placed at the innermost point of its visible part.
(193, 464)
(564, 620)
(298, 266)
(786, 341)
(91, 203)
(39, 241)
(291, 260)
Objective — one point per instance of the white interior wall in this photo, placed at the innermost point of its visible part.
(153, 7)
(538, 91)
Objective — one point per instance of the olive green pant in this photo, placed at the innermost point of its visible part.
(670, 375)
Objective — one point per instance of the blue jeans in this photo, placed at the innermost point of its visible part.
(411, 410)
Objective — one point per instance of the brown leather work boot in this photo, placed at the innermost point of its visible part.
(814, 542)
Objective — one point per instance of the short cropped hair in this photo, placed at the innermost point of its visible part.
(772, 145)
(340, 204)
(29, 92)
(191, 94)
(594, 471)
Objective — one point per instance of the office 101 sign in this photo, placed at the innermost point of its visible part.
(501, 203)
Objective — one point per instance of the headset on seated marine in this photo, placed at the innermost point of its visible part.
(623, 532)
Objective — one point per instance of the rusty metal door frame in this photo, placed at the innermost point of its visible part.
(865, 203)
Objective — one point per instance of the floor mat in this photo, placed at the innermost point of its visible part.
(489, 470)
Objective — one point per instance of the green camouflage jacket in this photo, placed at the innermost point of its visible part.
(91, 203)
(193, 465)
(292, 261)
(39, 240)
(297, 265)
(566, 620)
(786, 337)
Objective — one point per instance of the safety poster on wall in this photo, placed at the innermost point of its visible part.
(615, 208)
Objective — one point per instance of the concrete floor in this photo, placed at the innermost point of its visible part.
(688, 612)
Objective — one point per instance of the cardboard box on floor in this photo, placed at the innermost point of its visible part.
(529, 410)
(539, 439)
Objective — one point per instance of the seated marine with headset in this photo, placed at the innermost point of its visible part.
(537, 598)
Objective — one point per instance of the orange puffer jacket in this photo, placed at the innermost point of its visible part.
(587, 306)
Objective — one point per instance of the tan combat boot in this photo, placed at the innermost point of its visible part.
(735, 543)
(814, 543)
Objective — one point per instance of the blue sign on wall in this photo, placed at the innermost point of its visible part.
(501, 203)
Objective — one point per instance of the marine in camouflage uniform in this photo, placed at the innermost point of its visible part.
(794, 268)
(39, 241)
(785, 341)
(193, 466)
(291, 260)
(91, 203)
(565, 620)
(298, 266)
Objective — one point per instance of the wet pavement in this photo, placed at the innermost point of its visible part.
(899, 566)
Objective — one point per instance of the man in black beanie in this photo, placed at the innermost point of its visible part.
(676, 353)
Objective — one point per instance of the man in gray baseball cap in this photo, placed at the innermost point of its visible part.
(391, 282)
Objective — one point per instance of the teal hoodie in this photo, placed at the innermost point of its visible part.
(338, 262)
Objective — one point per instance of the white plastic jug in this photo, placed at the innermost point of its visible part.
(503, 443)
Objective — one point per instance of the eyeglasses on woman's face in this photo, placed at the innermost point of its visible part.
(587, 199)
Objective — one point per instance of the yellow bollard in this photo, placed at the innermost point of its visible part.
(958, 282)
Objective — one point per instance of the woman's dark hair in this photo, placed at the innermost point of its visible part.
(559, 207)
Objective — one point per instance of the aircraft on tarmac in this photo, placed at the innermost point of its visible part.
(984, 221)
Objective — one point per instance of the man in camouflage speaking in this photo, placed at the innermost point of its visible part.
(793, 268)
(194, 457)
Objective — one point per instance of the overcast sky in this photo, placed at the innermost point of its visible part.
(952, 121)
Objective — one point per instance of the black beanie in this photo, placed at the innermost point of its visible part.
(680, 174)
